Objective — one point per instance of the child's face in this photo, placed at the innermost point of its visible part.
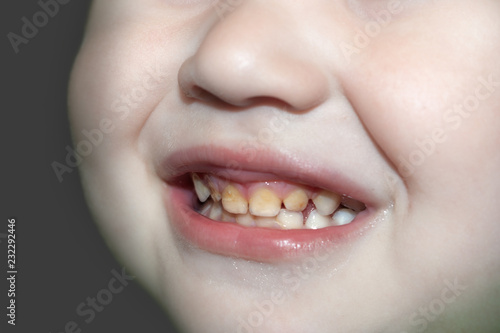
(393, 103)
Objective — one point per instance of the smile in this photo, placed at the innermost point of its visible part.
(272, 204)
(266, 211)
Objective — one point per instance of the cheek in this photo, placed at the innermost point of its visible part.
(429, 95)
(121, 76)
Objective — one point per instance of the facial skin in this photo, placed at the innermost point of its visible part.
(423, 88)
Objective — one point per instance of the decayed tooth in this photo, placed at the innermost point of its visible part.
(288, 219)
(316, 220)
(214, 192)
(264, 203)
(233, 201)
(266, 222)
(353, 204)
(343, 216)
(216, 211)
(326, 202)
(296, 200)
(202, 191)
(245, 220)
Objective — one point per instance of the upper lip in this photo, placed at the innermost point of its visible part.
(265, 166)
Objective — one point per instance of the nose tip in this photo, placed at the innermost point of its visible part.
(241, 65)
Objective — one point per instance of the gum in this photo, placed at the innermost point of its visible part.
(281, 188)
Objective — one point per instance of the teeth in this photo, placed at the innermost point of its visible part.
(326, 202)
(343, 216)
(296, 201)
(216, 211)
(317, 221)
(353, 204)
(266, 222)
(264, 203)
(214, 193)
(202, 191)
(288, 219)
(264, 208)
(228, 217)
(205, 209)
(245, 220)
(233, 201)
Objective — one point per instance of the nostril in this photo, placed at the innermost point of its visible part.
(197, 92)
(277, 103)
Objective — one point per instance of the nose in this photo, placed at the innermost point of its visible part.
(254, 55)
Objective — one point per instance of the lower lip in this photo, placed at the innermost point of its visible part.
(256, 244)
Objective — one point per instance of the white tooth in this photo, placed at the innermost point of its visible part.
(343, 216)
(264, 203)
(290, 220)
(326, 202)
(205, 209)
(245, 220)
(317, 221)
(216, 211)
(266, 222)
(296, 200)
(202, 191)
(233, 201)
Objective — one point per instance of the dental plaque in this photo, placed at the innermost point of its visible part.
(273, 204)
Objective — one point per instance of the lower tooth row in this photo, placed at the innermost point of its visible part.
(284, 219)
(288, 219)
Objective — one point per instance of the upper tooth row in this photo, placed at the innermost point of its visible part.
(264, 202)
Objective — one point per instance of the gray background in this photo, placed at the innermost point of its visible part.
(61, 257)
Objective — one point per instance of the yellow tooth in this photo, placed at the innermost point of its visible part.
(202, 191)
(266, 222)
(233, 201)
(264, 203)
(288, 219)
(296, 200)
(216, 211)
(326, 202)
(245, 220)
(317, 221)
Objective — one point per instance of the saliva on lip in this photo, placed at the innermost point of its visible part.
(272, 205)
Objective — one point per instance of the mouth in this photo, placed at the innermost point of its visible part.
(264, 208)
(272, 204)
